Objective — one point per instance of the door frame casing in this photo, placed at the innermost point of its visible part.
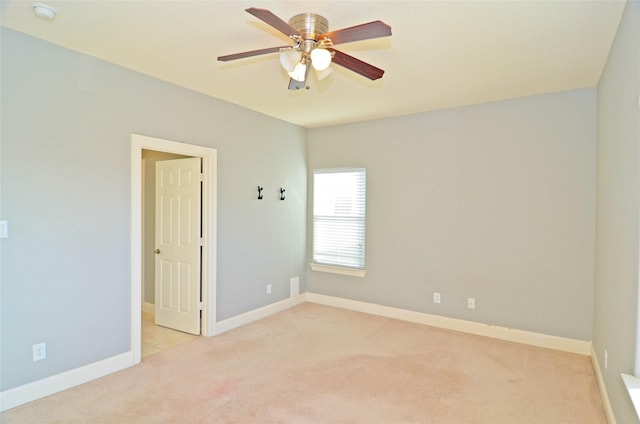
(209, 231)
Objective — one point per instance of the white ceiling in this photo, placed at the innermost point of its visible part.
(442, 54)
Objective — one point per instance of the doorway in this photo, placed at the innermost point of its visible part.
(158, 332)
(209, 200)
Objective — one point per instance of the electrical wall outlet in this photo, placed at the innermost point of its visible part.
(471, 303)
(39, 351)
(268, 288)
(436, 297)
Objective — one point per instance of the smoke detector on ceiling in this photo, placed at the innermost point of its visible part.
(43, 11)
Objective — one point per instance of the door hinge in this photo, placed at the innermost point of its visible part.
(201, 177)
(201, 241)
(200, 306)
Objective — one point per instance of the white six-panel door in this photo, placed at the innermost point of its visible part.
(177, 259)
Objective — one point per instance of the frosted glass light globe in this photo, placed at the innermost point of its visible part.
(323, 74)
(289, 59)
(299, 73)
(320, 59)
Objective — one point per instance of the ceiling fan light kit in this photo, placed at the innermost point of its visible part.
(320, 59)
(299, 73)
(323, 74)
(314, 46)
(289, 59)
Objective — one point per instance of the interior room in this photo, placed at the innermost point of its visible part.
(502, 154)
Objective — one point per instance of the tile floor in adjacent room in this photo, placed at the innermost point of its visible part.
(156, 338)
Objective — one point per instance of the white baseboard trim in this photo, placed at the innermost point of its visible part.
(47, 386)
(503, 333)
(149, 308)
(257, 314)
(38, 389)
(606, 403)
(56, 383)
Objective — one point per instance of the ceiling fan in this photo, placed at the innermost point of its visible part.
(314, 46)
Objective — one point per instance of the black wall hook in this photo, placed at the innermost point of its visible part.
(260, 192)
(282, 193)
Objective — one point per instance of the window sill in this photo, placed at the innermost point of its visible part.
(633, 387)
(338, 270)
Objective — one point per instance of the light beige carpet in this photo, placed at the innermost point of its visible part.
(316, 364)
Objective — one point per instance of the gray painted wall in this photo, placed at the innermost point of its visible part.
(495, 201)
(616, 288)
(67, 121)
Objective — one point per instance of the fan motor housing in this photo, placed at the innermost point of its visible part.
(310, 25)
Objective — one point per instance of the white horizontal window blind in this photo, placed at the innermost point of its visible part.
(339, 199)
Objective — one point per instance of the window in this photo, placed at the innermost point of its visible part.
(339, 197)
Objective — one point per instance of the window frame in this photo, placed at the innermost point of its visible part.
(334, 267)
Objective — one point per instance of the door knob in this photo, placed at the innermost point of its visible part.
(157, 251)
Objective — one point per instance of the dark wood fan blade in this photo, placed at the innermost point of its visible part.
(356, 65)
(375, 29)
(271, 19)
(251, 53)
